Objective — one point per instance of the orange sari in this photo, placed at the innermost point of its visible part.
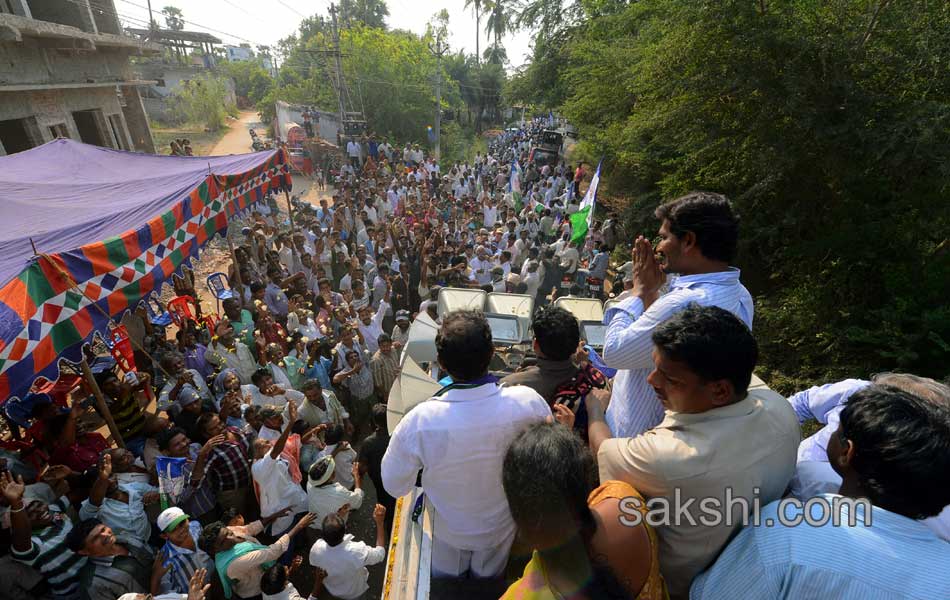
(535, 585)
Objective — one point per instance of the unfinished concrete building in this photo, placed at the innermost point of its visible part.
(64, 72)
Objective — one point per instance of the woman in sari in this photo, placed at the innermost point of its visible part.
(581, 549)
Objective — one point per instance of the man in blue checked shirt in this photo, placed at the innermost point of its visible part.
(181, 556)
(892, 449)
(698, 234)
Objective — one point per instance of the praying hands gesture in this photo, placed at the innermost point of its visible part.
(647, 274)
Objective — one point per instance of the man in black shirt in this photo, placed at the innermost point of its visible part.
(552, 277)
(371, 458)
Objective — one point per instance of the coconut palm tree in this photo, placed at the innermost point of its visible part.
(477, 6)
(499, 19)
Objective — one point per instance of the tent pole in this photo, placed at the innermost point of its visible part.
(101, 402)
(237, 269)
(290, 211)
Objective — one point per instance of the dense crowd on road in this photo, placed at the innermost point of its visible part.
(651, 467)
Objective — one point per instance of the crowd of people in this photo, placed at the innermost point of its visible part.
(650, 468)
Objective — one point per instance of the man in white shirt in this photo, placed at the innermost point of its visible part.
(271, 473)
(353, 151)
(481, 267)
(458, 439)
(569, 259)
(531, 278)
(345, 560)
(326, 496)
(719, 440)
(262, 391)
(371, 324)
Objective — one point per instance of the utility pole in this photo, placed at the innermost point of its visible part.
(339, 67)
(151, 19)
(438, 50)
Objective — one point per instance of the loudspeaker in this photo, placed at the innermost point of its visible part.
(421, 343)
(411, 387)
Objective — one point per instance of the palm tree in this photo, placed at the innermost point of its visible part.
(498, 19)
(173, 18)
(477, 5)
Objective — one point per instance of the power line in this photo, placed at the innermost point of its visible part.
(229, 3)
(105, 11)
(308, 67)
(285, 5)
(212, 29)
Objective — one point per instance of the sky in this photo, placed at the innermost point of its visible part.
(266, 21)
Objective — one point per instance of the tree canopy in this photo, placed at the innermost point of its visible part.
(391, 74)
(827, 123)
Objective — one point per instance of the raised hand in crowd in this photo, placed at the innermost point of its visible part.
(197, 588)
(563, 415)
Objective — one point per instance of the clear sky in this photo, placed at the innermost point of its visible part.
(266, 21)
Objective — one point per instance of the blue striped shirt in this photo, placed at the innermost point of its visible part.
(628, 346)
(49, 555)
(894, 557)
(183, 562)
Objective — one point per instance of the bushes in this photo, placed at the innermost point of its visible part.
(203, 100)
(828, 124)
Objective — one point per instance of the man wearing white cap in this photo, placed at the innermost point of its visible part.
(181, 557)
(326, 496)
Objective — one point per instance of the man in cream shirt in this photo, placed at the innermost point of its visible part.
(458, 439)
(717, 435)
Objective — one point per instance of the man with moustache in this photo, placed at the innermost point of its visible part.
(698, 235)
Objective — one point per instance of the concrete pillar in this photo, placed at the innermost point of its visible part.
(20, 8)
(85, 14)
(136, 121)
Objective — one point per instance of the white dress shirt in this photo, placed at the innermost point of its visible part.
(372, 331)
(253, 395)
(345, 565)
(327, 499)
(278, 491)
(628, 346)
(481, 269)
(459, 439)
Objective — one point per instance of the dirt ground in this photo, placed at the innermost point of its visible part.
(215, 257)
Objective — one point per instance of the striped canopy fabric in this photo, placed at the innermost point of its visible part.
(109, 228)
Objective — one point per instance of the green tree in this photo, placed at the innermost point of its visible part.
(174, 19)
(202, 100)
(251, 81)
(476, 6)
(499, 19)
(826, 123)
(371, 13)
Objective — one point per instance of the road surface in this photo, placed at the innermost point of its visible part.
(238, 140)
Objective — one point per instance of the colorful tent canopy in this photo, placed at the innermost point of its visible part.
(109, 228)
